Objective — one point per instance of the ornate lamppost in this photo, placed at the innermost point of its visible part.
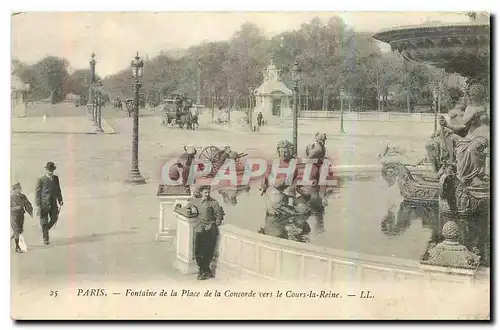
(229, 92)
(134, 175)
(296, 78)
(250, 111)
(342, 93)
(198, 82)
(90, 99)
(98, 105)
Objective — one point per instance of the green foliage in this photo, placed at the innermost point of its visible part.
(331, 55)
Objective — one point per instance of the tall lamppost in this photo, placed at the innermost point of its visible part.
(342, 93)
(229, 91)
(90, 99)
(198, 82)
(250, 111)
(213, 102)
(134, 175)
(296, 78)
(98, 102)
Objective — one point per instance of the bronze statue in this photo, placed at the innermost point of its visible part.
(280, 211)
(471, 139)
(184, 164)
(276, 191)
(314, 196)
(317, 149)
(441, 147)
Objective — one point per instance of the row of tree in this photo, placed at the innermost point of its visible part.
(50, 79)
(334, 60)
(332, 57)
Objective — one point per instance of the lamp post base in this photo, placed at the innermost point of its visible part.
(135, 177)
(89, 111)
(99, 129)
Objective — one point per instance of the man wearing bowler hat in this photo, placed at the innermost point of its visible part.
(48, 196)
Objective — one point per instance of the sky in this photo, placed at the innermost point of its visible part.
(115, 37)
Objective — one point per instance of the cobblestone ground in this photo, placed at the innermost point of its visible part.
(107, 227)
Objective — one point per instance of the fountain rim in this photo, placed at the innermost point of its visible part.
(385, 34)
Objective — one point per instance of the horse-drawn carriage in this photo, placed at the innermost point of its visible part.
(179, 111)
(118, 105)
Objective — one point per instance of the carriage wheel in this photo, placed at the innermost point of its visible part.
(216, 163)
(211, 154)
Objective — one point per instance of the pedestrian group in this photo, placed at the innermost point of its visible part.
(48, 202)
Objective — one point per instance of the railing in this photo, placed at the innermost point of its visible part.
(371, 115)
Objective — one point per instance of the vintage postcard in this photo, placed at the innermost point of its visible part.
(287, 165)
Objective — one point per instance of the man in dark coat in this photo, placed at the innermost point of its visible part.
(48, 196)
(19, 204)
(260, 120)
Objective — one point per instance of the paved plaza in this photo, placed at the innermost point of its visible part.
(59, 125)
(107, 227)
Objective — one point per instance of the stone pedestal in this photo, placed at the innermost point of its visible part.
(450, 256)
(169, 197)
(184, 258)
(89, 110)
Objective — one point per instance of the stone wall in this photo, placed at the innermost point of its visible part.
(244, 254)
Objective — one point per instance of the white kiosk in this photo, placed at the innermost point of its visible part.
(272, 98)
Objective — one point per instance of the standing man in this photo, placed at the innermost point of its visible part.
(19, 204)
(260, 120)
(48, 195)
(210, 216)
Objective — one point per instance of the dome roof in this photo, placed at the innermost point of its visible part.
(273, 86)
(272, 83)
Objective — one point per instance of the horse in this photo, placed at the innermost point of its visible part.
(194, 116)
(185, 118)
(118, 105)
(130, 107)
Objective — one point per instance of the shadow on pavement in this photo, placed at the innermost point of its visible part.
(81, 239)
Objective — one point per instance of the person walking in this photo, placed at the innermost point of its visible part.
(48, 196)
(210, 217)
(19, 204)
(260, 120)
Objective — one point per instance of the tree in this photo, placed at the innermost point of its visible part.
(53, 74)
(384, 71)
(78, 82)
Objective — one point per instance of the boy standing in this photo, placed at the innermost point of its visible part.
(210, 216)
(19, 204)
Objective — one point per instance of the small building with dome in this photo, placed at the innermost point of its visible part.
(273, 98)
(18, 92)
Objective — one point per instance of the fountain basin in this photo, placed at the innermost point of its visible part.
(463, 48)
(249, 255)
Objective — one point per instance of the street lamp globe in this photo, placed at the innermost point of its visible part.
(92, 60)
(137, 66)
(296, 72)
